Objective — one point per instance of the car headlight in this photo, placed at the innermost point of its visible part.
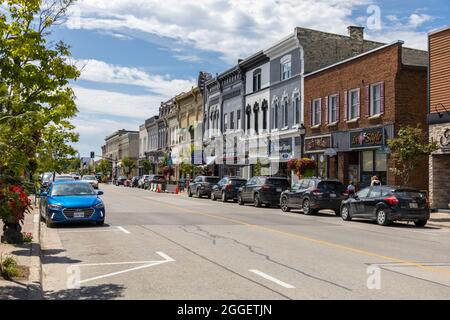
(99, 205)
(54, 207)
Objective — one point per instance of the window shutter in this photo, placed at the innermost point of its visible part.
(311, 113)
(382, 97)
(359, 103)
(320, 112)
(367, 96)
(327, 112)
(338, 109)
(346, 105)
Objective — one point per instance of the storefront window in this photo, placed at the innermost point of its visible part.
(380, 162)
(367, 161)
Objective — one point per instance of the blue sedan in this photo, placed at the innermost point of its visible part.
(71, 201)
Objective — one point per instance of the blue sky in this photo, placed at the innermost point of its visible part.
(137, 53)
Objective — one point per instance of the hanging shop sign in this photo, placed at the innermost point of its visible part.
(445, 141)
(367, 138)
(317, 144)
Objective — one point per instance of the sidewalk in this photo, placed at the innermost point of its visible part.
(439, 219)
(27, 255)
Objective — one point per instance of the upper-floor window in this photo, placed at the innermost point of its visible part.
(256, 112)
(296, 105)
(285, 113)
(238, 119)
(286, 67)
(316, 112)
(249, 114)
(232, 120)
(275, 116)
(375, 99)
(332, 108)
(225, 122)
(257, 80)
(264, 111)
(353, 104)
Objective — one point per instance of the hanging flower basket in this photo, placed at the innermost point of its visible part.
(306, 168)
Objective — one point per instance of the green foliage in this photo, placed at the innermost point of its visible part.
(74, 165)
(36, 100)
(9, 268)
(104, 167)
(186, 168)
(409, 149)
(128, 165)
(257, 168)
(146, 166)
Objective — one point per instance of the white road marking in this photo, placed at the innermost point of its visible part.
(147, 264)
(270, 278)
(123, 230)
(90, 230)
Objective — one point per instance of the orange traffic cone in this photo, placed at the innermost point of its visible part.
(158, 190)
(176, 190)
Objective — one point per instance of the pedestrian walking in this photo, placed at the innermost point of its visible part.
(351, 188)
(375, 181)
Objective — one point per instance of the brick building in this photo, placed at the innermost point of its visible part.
(353, 107)
(439, 117)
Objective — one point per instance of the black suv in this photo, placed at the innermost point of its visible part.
(202, 186)
(263, 190)
(227, 189)
(313, 195)
(386, 204)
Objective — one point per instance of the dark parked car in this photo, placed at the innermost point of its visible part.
(120, 181)
(134, 182)
(154, 178)
(263, 190)
(227, 189)
(313, 195)
(202, 186)
(386, 204)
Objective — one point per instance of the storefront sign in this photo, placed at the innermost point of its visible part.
(316, 144)
(445, 141)
(367, 138)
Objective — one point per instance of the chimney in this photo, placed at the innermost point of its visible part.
(356, 35)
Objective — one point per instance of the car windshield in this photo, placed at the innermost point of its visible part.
(238, 182)
(75, 189)
(334, 186)
(89, 178)
(409, 194)
(278, 183)
(212, 180)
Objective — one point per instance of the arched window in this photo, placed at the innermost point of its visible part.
(248, 112)
(264, 107)
(285, 112)
(275, 116)
(256, 111)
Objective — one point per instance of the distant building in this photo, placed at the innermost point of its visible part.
(121, 144)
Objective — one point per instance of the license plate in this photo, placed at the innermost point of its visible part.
(413, 205)
(78, 215)
(332, 195)
(278, 189)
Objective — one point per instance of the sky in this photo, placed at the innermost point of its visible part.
(136, 53)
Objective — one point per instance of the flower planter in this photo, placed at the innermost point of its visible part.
(12, 233)
(309, 173)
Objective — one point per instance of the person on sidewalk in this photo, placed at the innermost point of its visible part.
(351, 189)
(375, 181)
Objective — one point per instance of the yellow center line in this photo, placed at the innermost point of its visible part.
(313, 240)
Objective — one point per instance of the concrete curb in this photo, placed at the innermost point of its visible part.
(35, 280)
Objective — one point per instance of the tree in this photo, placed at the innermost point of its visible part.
(128, 165)
(34, 81)
(146, 166)
(409, 149)
(74, 165)
(55, 151)
(104, 167)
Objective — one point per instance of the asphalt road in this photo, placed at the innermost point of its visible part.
(162, 246)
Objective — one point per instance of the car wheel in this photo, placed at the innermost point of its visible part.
(382, 218)
(345, 213)
(189, 193)
(100, 223)
(337, 212)
(420, 223)
(257, 201)
(284, 205)
(198, 194)
(224, 197)
(49, 223)
(240, 200)
(307, 207)
(213, 196)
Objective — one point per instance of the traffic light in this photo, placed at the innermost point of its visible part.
(92, 154)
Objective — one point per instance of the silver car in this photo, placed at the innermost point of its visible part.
(92, 180)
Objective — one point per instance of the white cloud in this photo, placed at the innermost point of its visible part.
(234, 28)
(416, 20)
(162, 86)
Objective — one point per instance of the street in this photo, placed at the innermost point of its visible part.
(165, 246)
